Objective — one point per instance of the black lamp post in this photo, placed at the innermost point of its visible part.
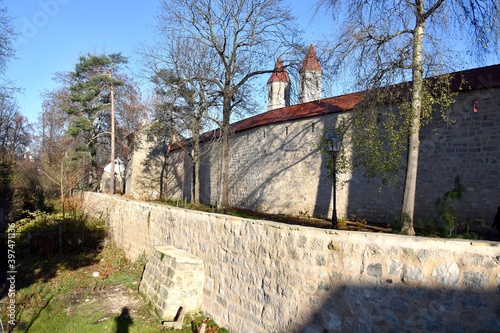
(334, 142)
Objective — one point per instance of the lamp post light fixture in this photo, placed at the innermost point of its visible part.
(333, 147)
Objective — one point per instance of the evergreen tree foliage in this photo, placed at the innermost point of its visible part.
(90, 95)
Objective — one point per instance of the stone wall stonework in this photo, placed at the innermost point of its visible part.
(279, 168)
(267, 277)
(172, 279)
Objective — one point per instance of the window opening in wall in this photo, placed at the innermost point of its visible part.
(286, 130)
(264, 133)
(474, 106)
(312, 127)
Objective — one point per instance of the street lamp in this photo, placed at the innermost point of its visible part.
(333, 146)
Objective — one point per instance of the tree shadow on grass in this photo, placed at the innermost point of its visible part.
(30, 270)
(29, 266)
(38, 313)
(34, 269)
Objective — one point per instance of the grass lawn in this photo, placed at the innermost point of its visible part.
(87, 292)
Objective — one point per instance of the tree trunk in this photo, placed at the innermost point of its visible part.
(163, 171)
(112, 185)
(168, 142)
(93, 180)
(61, 188)
(196, 167)
(408, 206)
(224, 194)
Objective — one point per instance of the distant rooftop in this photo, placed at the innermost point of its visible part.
(280, 74)
(476, 79)
(311, 61)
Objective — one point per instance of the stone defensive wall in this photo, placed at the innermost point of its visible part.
(264, 277)
(278, 167)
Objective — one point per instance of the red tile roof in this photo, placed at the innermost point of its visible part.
(279, 74)
(311, 61)
(299, 111)
(477, 79)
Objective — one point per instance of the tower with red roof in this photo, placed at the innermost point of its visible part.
(310, 77)
(278, 87)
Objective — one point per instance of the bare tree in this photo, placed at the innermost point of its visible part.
(160, 135)
(14, 131)
(130, 112)
(242, 34)
(6, 36)
(14, 128)
(386, 42)
(179, 68)
(57, 156)
(52, 123)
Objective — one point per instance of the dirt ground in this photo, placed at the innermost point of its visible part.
(315, 222)
(113, 301)
(484, 233)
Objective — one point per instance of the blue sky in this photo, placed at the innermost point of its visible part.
(54, 33)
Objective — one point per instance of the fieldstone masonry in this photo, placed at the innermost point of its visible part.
(264, 277)
(278, 167)
(173, 278)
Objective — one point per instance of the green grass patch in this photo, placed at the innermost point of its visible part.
(87, 292)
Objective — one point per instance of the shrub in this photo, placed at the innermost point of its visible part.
(426, 227)
(447, 210)
(78, 231)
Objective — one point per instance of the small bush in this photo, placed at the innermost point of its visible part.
(447, 210)
(426, 227)
(78, 231)
(342, 222)
(395, 223)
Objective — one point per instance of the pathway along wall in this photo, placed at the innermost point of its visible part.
(268, 277)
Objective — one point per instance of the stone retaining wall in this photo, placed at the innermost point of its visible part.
(172, 279)
(268, 277)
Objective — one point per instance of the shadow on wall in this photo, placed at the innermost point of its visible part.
(181, 179)
(206, 196)
(396, 307)
(148, 177)
(280, 165)
(154, 170)
(371, 200)
(325, 182)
